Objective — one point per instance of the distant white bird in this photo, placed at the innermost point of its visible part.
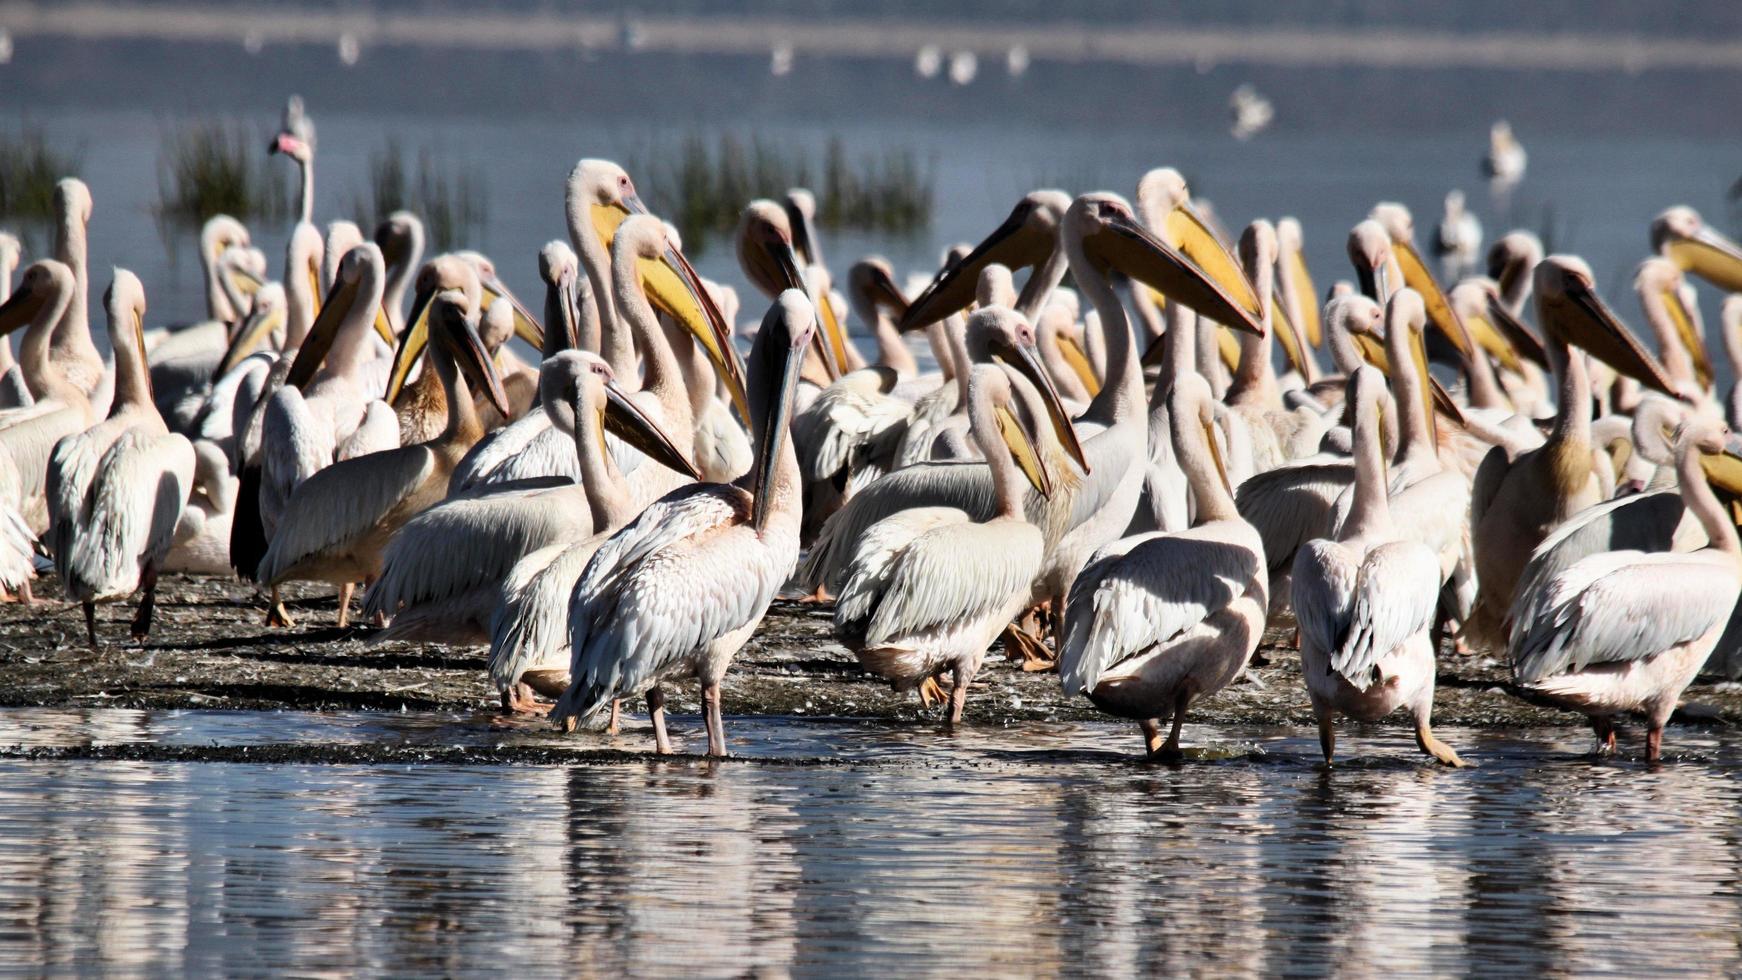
(1459, 239)
(1251, 112)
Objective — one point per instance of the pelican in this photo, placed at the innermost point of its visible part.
(116, 490)
(529, 634)
(1294, 285)
(1458, 239)
(1625, 631)
(929, 588)
(1511, 260)
(400, 238)
(338, 521)
(1678, 234)
(14, 393)
(1730, 328)
(1365, 600)
(60, 407)
(1504, 163)
(770, 261)
(72, 351)
(184, 358)
(296, 140)
(430, 595)
(1156, 620)
(681, 588)
(1666, 301)
(202, 538)
(1516, 502)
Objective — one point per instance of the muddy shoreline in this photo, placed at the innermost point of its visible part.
(211, 650)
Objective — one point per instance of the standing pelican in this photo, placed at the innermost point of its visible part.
(529, 651)
(1625, 631)
(1156, 620)
(60, 407)
(116, 491)
(683, 586)
(1458, 239)
(1366, 599)
(1516, 502)
(929, 588)
(338, 521)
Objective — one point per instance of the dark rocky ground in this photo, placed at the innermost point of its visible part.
(210, 649)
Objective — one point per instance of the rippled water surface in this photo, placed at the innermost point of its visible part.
(886, 849)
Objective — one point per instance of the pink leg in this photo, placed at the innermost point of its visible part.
(656, 709)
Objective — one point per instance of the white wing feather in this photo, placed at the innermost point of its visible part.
(341, 503)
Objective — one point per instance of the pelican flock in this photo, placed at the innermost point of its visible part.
(1123, 481)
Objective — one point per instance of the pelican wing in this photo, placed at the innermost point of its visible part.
(293, 447)
(873, 567)
(1486, 484)
(1325, 576)
(1395, 597)
(134, 503)
(1648, 522)
(965, 486)
(685, 573)
(31, 442)
(848, 416)
(378, 432)
(1618, 607)
(1147, 590)
(342, 503)
(1291, 505)
(531, 624)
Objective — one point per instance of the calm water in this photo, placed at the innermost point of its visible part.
(1043, 850)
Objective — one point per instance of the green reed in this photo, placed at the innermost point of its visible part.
(210, 167)
(450, 202)
(29, 168)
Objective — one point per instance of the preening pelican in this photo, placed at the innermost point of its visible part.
(636, 620)
(60, 408)
(1516, 502)
(529, 629)
(929, 588)
(1624, 632)
(1365, 600)
(1156, 620)
(116, 491)
(338, 521)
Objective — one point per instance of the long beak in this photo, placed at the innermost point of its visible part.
(1309, 302)
(1286, 335)
(1021, 444)
(1215, 449)
(139, 343)
(783, 262)
(1187, 231)
(607, 218)
(411, 345)
(1228, 348)
(1682, 317)
(628, 422)
(476, 364)
(322, 334)
(1078, 360)
(246, 282)
(1711, 256)
(1025, 359)
(777, 421)
(526, 326)
(19, 310)
(1440, 313)
(1513, 329)
(254, 331)
(672, 285)
(1135, 251)
(1599, 331)
(834, 335)
(1433, 393)
(1012, 244)
(1724, 470)
(886, 293)
(569, 318)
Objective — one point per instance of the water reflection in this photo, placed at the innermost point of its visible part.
(940, 858)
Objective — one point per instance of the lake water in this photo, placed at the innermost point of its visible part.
(860, 846)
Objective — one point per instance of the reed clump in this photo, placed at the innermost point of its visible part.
(209, 167)
(450, 201)
(29, 168)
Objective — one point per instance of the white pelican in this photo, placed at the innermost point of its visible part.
(1516, 502)
(1505, 160)
(400, 238)
(1156, 620)
(202, 538)
(1624, 632)
(14, 393)
(1511, 261)
(433, 597)
(296, 140)
(116, 490)
(1028, 237)
(72, 351)
(929, 588)
(1365, 600)
(1458, 239)
(184, 358)
(1666, 302)
(529, 629)
(680, 589)
(766, 254)
(1678, 234)
(60, 407)
(338, 521)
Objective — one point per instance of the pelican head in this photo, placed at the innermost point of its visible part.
(265, 319)
(360, 272)
(1370, 251)
(1719, 450)
(42, 295)
(1571, 312)
(220, 233)
(1000, 332)
(599, 193)
(1028, 237)
(1103, 235)
(999, 423)
(643, 249)
(1510, 261)
(1481, 307)
(454, 326)
(574, 382)
(871, 282)
(124, 302)
(776, 360)
(801, 214)
(470, 273)
(1351, 316)
(296, 133)
(559, 267)
(1679, 235)
(769, 260)
(72, 202)
(1398, 223)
